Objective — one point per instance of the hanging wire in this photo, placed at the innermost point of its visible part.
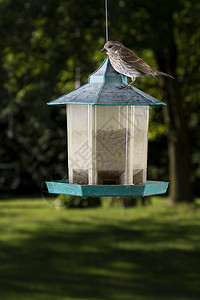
(106, 10)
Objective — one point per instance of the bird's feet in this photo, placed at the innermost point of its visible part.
(121, 87)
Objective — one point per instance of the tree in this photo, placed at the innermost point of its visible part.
(40, 51)
(44, 44)
(167, 28)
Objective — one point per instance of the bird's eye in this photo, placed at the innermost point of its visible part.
(110, 46)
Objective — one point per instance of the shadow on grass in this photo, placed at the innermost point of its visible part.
(80, 260)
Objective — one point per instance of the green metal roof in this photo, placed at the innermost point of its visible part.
(103, 89)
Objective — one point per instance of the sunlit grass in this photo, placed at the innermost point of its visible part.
(149, 252)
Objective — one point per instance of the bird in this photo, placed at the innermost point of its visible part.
(126, 62)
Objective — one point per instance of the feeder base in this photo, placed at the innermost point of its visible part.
(140, 190)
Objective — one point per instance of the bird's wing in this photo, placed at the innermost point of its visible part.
(135, 61)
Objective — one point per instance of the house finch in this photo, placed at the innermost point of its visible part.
(126, 62)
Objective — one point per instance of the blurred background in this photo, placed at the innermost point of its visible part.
(48, 48)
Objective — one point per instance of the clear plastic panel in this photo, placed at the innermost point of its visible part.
(107, 144)
(110, 136)
(141, 120)
(79, 148)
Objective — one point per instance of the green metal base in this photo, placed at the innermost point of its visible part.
(140, 190)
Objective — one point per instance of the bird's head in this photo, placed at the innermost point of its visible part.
(111, 47)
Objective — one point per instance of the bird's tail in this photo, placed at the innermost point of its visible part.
(164, 74)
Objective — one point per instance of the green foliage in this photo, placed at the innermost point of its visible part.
(39, 54)
(68, 201)
(44, 42)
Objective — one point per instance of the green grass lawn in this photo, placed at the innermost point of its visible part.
(149, 253)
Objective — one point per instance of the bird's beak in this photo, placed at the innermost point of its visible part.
(103, 50)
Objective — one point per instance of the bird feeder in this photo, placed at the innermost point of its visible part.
(107, 130)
